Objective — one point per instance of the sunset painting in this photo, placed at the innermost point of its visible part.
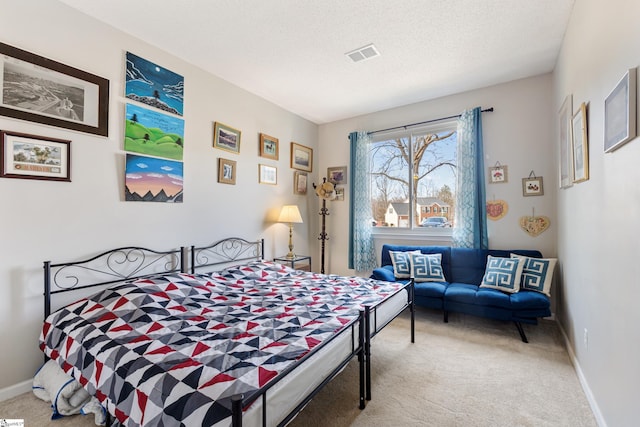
(149, 179)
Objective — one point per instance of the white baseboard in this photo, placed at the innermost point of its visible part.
(583, 381)
(15, 390)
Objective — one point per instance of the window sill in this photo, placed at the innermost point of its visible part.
(442, 235)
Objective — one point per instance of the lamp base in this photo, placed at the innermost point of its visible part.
(290, 255)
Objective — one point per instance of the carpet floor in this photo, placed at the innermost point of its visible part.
(468, 372)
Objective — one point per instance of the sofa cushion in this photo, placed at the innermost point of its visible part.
(402, 263)
(384, 273)
(528, 300)
(426, 268)
(430, 289)
(537, 273)
(461, 292)
(503, 274)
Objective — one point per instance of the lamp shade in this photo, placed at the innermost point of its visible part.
(290, 214)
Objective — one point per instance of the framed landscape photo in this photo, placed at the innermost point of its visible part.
(580, 145)
(267, 174)
(300, 182)
(226, 138)
(226, 171)
(44, 91)
(301, 157)
(337, 175)
(620, 113)
(566, 159)
(269, 147)
(34, 157)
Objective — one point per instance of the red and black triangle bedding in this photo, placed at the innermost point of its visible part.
(172, 349)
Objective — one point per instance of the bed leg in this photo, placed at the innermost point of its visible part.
(446, 316)
(236, 410)
(367, 350)
(521, 331)
(361, 361)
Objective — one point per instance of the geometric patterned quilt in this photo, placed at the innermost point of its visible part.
(171, 350)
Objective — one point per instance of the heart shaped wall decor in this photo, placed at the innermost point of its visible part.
(497, 209)
(534, 225)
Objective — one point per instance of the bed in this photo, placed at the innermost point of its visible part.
(211, 335)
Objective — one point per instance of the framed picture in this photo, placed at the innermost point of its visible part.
(34, 157)
(151, 179)
(337, 175)
(566, 159)
(620, 113)
(339, 194)
(226, 171)
(153, 133)
(532, 186)
(580, 145)
(41, 90)
(226, 138)
(269, 147)
(301, 157)
(498, 174)
(300, 182)
(267, 174)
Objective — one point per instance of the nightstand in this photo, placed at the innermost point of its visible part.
(300, 262)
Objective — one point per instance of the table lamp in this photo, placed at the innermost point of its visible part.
(290, 214)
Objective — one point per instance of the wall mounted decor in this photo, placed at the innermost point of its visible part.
(226, 138)
(154, 85)
(300, 182)
(497, 209)
(532, 185)
(150, 132)
(534, 225)
(34, 157)
(41, 90)
(269, 147)
(498, 174)
(267, 174)
(339, 194)
(566, 159)
(580, 145)
(301, 157)
(226, 171)
(337, 175)
(620, 113)
(149, 179)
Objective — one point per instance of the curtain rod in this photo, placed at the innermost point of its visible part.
(486, 110)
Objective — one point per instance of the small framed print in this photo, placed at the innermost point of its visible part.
(34, 157)
(339, 194)
(226, 138)
(580, 145)
(300, 180)
(301, 157)
(498, 174)
(337, 175)
(620, 113)
(566, 163)
(226, 171)
(269, 147)
(267, 174)
(532, 186)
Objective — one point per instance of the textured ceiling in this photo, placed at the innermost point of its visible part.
(291, 52)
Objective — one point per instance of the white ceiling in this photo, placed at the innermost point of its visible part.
(291, 52)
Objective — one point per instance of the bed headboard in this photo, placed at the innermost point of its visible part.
(226, 251)
(116, 265)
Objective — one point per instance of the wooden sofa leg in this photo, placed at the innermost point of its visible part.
(521, 331)
(446, 317)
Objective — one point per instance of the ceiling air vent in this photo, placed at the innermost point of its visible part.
(361, 54)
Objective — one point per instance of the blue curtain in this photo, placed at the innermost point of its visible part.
(362, 255)
(470, 229)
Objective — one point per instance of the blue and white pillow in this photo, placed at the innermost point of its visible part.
(503, 274)
(537, 273)
(427, 267)
(402, 263)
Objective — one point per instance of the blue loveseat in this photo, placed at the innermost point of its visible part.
(461, 292)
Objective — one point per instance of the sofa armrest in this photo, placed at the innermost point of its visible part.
(384, 273)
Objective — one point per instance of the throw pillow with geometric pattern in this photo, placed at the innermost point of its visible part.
(537, 273)
(427, 267)
(401, 263)
(503, 274)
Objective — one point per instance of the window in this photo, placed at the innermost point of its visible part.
(413, 176)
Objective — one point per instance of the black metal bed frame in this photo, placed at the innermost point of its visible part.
(132, 263)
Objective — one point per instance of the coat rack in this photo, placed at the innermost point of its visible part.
(326, 191)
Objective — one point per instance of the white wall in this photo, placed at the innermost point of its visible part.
(517, 134)
(598, 244)
(44, 220)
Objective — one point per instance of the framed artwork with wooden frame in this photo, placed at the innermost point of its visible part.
(34, 157)
(620, 113)
(300, 180)
(337, 175)
(226, 171)
(44, 91)
(580, 145)
(269, 147)
(267, 174)
(532, 185)
(566, 159)
(226, 138)
(498, 174)
(301, 157)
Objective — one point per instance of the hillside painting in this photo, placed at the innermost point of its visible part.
(148, 179)
(153, 85)
(153, 133)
